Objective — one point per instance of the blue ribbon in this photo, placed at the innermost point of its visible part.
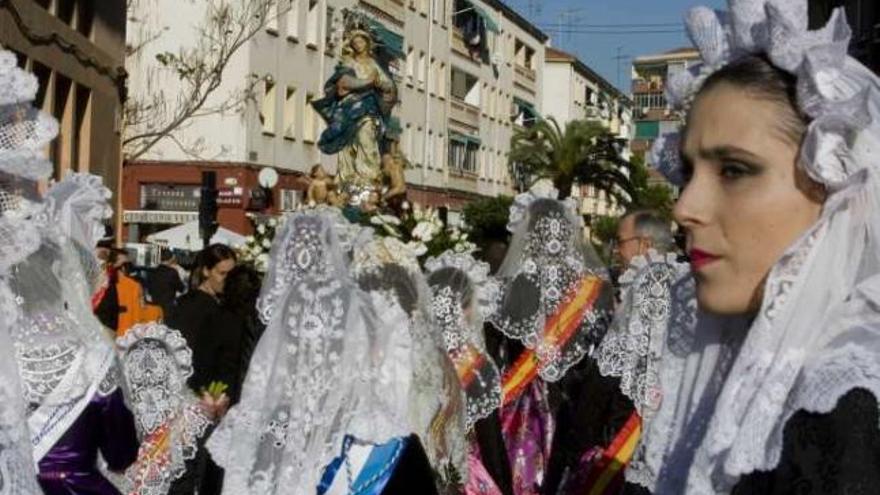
(375, 474)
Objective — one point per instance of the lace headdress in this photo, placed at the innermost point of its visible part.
(463, 295)
(548, 270)
(63, 354)
(311, 374)
(417, 378)
(156, 363)
(727, 395)
(24, 130)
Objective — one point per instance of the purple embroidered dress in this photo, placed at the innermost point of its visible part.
(105, 426)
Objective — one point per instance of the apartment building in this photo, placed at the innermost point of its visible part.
(468, 74)
(652, 114)
(76, 49)
(574, 91)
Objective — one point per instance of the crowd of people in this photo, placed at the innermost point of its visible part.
(354, 366)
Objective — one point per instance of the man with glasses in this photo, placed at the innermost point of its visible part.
(639, 231)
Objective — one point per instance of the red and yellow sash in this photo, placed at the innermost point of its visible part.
(604, 476)
(558, 330)
(468, 361)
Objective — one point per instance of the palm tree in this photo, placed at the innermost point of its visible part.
(583, 153)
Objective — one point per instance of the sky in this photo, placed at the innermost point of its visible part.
(575, 26)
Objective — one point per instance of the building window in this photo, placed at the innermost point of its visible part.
(493, 97)
(422, 63)
(519, 50)
(465, 87)
(408, 140)
(290, 113)
(419, 146)
(463, 155)
(83, 129)
(290, 199)
(441, 80)
(312, 26)
(530, 58)
(328, 29)
(272, 19)
(439, 10)
(293, 20)
(310, 120)
(457, 152)
(85, 18)
(64, 11)
(410, 64)
(438, 152)
(267, 108)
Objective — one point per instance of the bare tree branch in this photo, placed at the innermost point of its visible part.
(228, 25)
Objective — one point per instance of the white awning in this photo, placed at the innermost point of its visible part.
(187, 237)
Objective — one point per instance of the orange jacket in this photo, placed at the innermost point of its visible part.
(132, 307)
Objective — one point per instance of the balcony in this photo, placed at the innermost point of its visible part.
(644, 87)
(461, 48)
(393, 9)
(525, 78)
(464, 113)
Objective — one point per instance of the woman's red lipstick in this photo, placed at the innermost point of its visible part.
(699, 258)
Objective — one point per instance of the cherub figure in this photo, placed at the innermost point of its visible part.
(321, 186)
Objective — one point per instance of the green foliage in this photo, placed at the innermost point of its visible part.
(487, 218)
(656, 197)
(584, 153)
(604, 229)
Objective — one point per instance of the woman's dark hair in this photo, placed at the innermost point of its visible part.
(242, 289)
(455, 279)
(208, 258)
(543, 207)
(759, 77)
(395, 278)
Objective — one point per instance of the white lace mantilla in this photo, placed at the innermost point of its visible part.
(633, 347)
(546, 266)
(311, 374)
(463, 294)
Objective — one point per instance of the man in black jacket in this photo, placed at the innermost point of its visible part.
(164, 283)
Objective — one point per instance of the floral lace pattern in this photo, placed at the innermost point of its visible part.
(156, 363)
(551, 271)
(463, 294)
(292, 258)
(633, 347)
(478, 375)
(17, 475)
(313, 372)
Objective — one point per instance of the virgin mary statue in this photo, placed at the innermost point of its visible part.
(357, 104)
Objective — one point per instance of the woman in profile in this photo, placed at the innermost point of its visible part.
(770, 370)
